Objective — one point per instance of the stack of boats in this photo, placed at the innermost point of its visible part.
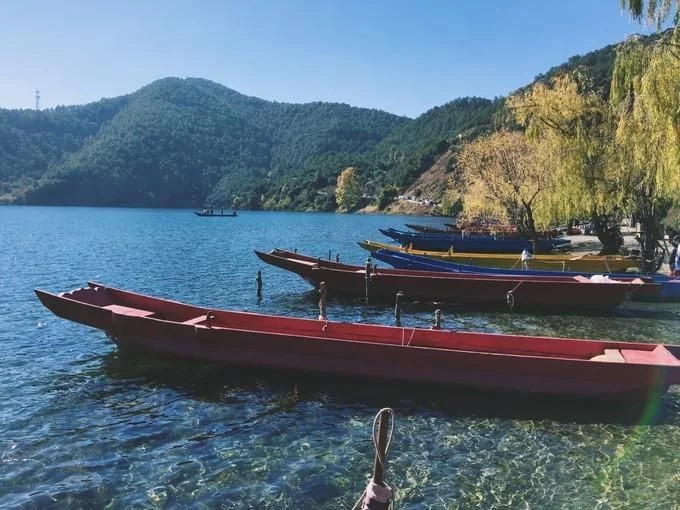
(504, 270)
(428, 266)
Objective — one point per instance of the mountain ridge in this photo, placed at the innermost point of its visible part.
(191, 142)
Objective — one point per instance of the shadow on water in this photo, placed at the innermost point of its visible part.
(220, 384)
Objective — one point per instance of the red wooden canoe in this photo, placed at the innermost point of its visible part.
(599, 369)
(521, 292)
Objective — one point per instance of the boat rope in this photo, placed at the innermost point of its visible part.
(377, 496)
(404, 343)
(510, 296)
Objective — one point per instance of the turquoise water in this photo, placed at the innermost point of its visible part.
(82, 426)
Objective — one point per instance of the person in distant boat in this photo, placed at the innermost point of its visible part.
(672, 259)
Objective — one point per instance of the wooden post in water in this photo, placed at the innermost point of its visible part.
(329, 254)
(437, 318)
(368, 275)
(258, 280)
(397, 309)
(337, 257)
(322, 302)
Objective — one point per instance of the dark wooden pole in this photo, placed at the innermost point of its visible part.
(437, 318)
(322, 302)
(397, 309)
(368, 275)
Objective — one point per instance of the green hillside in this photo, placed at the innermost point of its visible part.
(194, 143)
(178, 143)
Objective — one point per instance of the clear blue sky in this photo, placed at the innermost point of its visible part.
(400, 56)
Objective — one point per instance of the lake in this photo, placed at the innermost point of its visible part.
(82, 426)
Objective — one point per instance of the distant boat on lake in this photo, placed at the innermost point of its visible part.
(211, 213)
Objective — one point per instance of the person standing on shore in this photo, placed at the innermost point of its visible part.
(673, 259)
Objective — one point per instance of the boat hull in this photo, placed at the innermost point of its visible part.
(516, 292)
(538, 365)
(572, 262)
(407, 261)
(471, 243)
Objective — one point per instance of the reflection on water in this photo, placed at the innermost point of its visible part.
(217, 384)
(86, 426)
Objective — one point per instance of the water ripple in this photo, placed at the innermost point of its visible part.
(85, 426)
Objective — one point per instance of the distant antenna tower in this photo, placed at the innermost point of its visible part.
(37, 100)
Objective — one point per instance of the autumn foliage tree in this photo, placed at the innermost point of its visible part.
(574, 126)
(504, 177)
(646, 96)
(348, 189)
(653, 11)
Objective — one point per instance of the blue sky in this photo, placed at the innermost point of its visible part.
(400, 56)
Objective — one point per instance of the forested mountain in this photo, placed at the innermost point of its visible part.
(194, 143)
(177, 142)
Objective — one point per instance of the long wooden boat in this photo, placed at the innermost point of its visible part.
(525, 293)
(600, 369)
(565, 262)
(478, 243)
(666, 290)
(216, 215)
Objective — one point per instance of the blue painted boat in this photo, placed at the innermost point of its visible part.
(472, 243)
(669, 291)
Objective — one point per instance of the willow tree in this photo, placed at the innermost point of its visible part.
(504, 177)
(574, 125)
(653, 11)
(646, 95)
(348, 189)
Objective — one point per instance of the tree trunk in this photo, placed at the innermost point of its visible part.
(531, 226)
(608, 232)
(648, 238)
(650, 224)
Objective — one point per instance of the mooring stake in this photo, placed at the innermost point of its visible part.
(368, 275)
(322, 302)
(437, 318)
(397, 309)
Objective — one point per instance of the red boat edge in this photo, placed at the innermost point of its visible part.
(517, 292)
(599, 369)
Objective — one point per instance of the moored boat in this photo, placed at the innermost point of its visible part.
(476, 243)
(601, 369)
(564, 262)
(212, 214)
(666, 290)
(516, 292)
